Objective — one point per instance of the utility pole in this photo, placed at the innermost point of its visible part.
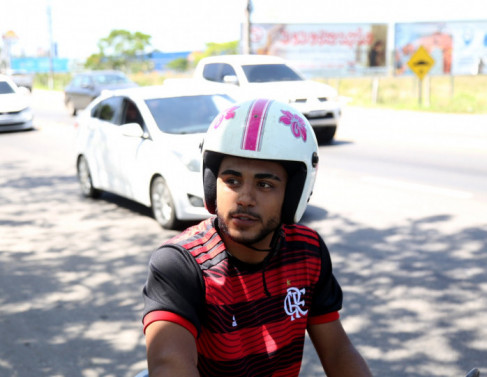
(8, 38)
(51, 52)
(246, 28)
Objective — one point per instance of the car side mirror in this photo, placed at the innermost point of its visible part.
(23, 90)
(230, 79)
(133, 130)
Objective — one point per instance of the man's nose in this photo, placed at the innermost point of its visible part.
(246, 195)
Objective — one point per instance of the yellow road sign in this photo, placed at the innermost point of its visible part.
(421, 62)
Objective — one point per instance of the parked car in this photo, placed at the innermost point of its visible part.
(15, 110)
(143, 144)
(251, 76)
(22, 78)
(85, 87)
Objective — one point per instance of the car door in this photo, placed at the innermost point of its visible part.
(104, 146)
(131, 168)
(81, 91)
(90, 91)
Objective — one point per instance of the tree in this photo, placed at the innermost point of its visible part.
(212, 49)
(226, 48)
(179, 64)
(121, 50)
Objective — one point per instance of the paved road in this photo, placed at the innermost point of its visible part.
(401, 199)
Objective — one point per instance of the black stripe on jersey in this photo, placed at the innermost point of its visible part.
(259, 365)
(212, 264)
(248, 314)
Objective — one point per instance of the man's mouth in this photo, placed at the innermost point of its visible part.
(244, 216)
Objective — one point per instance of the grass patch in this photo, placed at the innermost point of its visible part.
(446, 94)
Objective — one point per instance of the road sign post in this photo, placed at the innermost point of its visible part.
(420, 63)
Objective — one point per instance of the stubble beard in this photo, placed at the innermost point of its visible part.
(268, 227)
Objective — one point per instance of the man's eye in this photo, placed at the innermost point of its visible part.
(265, 185)
(231, 181)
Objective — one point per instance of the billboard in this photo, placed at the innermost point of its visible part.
(325, 49)
(458, 48)
(39, 65)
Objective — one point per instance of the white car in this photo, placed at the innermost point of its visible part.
(15, 110)
(263, 76)
(143, 144)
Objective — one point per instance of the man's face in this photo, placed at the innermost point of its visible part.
(249, 196)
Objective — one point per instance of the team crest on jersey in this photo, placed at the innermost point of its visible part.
(294, 303)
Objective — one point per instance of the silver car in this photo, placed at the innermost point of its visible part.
(143, 144)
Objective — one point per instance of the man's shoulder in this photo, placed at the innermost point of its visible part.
(202, 238)
(300, 236)
(201, 230)
(299, 229)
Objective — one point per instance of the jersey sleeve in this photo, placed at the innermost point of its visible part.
(174, 289)
(328, 297)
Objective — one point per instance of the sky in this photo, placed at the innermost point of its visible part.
(187, 25)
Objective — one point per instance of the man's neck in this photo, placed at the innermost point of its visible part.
(247, 254)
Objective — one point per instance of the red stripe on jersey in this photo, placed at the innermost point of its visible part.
(299, 273)
(207, 245)
(292, 371)
(258, 340)
(209, 232)
(203, 255)
(284, 363)
(324, 318)
(302, 233)
(300, 229)
(201, 229)
(160, 315)
(303, 238)
(201, 240)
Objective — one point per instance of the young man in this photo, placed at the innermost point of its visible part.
(234, 295)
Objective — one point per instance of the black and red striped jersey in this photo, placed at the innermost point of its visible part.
(248, 319)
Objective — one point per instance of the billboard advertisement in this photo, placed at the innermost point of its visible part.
(458, 48)
(325, 49)
(39, 65)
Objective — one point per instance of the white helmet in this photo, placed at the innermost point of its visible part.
(267, 130)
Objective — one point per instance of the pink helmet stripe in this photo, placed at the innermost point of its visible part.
(254, 125)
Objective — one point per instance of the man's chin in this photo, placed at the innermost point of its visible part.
(244, 235)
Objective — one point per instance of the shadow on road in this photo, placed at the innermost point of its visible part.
(415, 298)
(71, 272)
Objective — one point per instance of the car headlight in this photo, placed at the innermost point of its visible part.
(26, 114)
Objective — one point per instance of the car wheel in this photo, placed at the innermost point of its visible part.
(162, 204)
(84, 179)
(325, 135)
(71, 108)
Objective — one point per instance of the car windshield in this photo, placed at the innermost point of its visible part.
(108, 79)
(188, 114)
(270, 72)
(5, 88)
